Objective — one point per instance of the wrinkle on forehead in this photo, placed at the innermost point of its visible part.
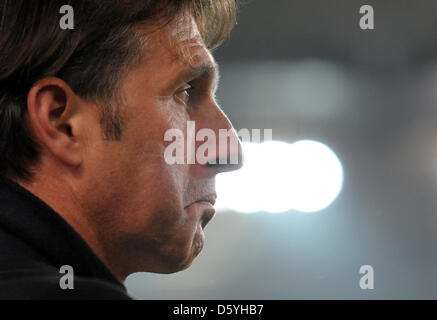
(184, 36)
(184, 28)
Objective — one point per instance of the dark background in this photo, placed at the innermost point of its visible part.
(305, 69)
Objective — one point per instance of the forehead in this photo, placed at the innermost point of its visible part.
(177, 46)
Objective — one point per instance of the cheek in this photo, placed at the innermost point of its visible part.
(155, 199)
(147, 194)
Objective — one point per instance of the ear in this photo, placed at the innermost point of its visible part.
(52, 107)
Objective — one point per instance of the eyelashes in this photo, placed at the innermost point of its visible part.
(194, 93)
(185, 94)
(190, 95)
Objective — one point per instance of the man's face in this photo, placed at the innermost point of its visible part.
(152, 214)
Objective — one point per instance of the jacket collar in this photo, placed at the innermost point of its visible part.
(34, 222)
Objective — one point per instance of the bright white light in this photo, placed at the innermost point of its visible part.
(278, 177)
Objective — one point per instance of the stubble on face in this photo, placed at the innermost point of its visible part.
(144, 201)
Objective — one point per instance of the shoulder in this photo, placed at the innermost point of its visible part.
(24, 278)
(35, 284)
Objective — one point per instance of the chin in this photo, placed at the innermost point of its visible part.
(178, 268)
(172, 266)
(180, 262)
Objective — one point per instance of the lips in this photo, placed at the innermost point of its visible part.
(205, 208)
(207, 217)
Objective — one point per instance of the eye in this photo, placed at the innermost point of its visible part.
(184, 95)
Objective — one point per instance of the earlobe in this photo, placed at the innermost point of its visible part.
(51, 106)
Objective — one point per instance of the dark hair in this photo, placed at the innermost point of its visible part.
(91, 58)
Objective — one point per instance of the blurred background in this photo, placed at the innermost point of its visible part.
(354, 180)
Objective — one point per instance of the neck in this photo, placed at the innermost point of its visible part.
(59, 193)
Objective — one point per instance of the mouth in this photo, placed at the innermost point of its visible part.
(207, 217)
(205, 205)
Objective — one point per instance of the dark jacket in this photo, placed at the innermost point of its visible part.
(35, 242)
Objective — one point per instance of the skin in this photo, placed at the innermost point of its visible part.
(135, 211)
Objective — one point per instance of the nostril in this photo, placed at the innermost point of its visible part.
(226, 167)
(227, 164)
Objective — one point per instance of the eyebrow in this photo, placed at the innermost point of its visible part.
(208, 70)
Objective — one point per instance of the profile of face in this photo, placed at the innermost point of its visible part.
(149, 214)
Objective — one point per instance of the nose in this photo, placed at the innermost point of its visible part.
(229, 153)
